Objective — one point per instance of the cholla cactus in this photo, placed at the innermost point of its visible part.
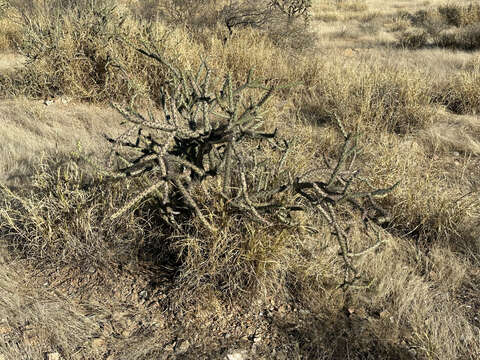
(293, 8)
(208, 133)
(196, 137)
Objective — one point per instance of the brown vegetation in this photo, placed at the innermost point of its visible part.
(259, 142)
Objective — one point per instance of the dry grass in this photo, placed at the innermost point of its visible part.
(415, 107)
(34, 320)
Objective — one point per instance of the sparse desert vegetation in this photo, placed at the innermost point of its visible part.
(219, 179)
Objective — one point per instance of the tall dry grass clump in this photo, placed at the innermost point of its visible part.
(453, 26)
(57, 217)
(365, 96)
(10, 32)
(87, 51)
(458, 91)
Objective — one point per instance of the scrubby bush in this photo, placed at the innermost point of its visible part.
(68, 48)
(460, 15)
(192, 13)
(413, 38)
(465, 38)
(460, 93)
(434, 26)
(86, 50)
(208, 154)
(285, 21)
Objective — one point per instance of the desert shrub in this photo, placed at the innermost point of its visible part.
(413, 38)
(286, 21)
(88, 52)
(364, 97)
(67, 46)
(460, 93)
(192, 13)
(465, 38)
(210, 160)
(460, 15)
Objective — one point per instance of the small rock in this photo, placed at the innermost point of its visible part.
(143, 294)
(237, 355)
(52, 356)
(412, 352)
(456, 153)
(182, 347)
